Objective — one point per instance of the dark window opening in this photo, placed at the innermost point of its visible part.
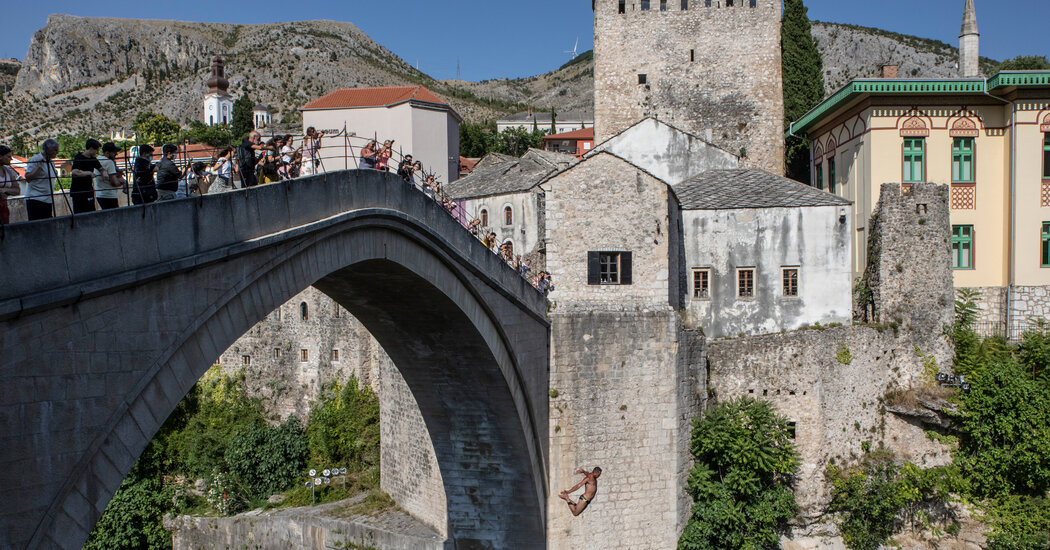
(1046, 156)
(692, 56)
(304, 311)
(623, 6)
(609, 268)
(729, 3)
(1046, 245)
(508, 216)
(484, 218)
(707, 3)
(304, 355)
(663, 5)
(753, 4)
(685, 5)
(276, 353)
(645, 5)
(335, 355)
(643, 78)
(246, 360)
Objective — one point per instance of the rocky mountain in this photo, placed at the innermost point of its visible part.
(8, 71)
(95, 74)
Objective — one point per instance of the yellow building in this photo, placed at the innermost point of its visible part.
(989, 139)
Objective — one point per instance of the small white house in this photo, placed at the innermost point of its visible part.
(261, 117)
(763, 253)
(563, 122)
(420, 123)
(504, 193)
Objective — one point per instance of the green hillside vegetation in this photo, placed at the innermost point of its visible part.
(220, 435)
(585, 57)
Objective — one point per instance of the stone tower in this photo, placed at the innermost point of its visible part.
(709, 67)
(218, 105)
(969, 52)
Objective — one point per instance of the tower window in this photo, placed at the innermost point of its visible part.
(643, 78)
(707, 3)
(753, 3)
(609, 268)
(685, 5)
(645, 5)
(246, 360)
(692, 56)
(508, 216)
(623, 6)
(276, 353)
(729, 3)
(663, 5)
(304, 355)
(304, 311)
(335, 355)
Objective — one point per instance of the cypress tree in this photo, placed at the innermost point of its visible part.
(803, 81)
(242, 117)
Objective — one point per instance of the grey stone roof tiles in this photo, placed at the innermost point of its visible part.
(497, 174)
(725, 189)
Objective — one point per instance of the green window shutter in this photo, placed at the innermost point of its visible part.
(1046, 156)
(962, 247)
(1046, 245)
(962, 160)
(913, 168)
(820, 176)
(831, 174)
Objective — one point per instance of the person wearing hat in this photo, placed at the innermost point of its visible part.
(109, 179)
(145, 187)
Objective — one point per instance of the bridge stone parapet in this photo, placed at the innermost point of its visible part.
(113, 316)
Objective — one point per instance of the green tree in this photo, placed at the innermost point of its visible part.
(19, 145)
(803, 81)
(516, 141)
(741, 480)
(1025, 63)
(218, 135)
(477, 139)
(344, 427)
(267, 459)
(242, 118)
(155, 128)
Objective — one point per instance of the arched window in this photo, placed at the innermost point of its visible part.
(484, 218)
(508, 215)
(303, 311)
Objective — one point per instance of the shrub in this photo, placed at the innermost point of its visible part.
(344, 427)
(267, 459)
(741, 480)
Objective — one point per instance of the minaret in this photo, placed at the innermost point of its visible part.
(969, 55)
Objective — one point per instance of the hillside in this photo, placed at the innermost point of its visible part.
(95, 73)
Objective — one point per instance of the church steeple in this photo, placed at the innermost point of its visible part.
(969, 56)
(218, 84)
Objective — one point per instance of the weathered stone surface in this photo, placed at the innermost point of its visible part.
(707, 69)
(472, 340)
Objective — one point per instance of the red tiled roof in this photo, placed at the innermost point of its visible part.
(583, 133)
(344, 98)
(466, 165)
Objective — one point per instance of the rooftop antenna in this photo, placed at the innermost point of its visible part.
(575, 49)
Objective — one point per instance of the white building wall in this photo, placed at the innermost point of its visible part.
(810, 238)
(523, 232)
(402, 123)
(216, 107)
(668, 153)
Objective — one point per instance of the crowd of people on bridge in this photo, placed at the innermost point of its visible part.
(97, 178)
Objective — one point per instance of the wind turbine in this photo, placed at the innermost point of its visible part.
(575, 49)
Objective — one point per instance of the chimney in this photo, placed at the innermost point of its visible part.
(889, 71)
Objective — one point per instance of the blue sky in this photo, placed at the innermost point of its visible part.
(497, 38)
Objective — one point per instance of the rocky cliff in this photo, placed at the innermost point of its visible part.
(96, 73)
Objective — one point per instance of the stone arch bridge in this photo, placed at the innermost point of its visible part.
(107, 321)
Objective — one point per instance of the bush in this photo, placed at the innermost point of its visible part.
(1021, 523)
(344, 427)
(741, 481)
(267, 459)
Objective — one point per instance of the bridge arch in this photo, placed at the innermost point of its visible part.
(468, 337)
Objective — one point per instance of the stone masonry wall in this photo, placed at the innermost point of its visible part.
(337, 346)
(708, 68)
(909, 267)
(1027, 304)
(833, 384)
(623, 396)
